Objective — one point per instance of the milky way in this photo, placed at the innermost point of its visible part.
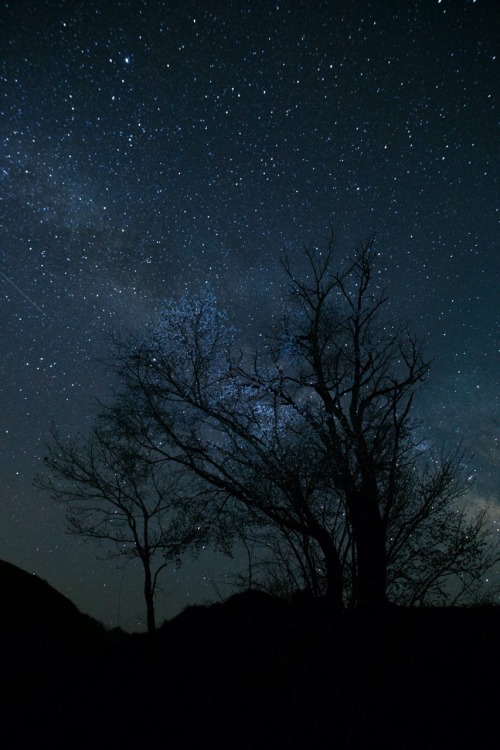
(151, 147)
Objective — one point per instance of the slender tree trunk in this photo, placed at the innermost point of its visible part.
(334, 595)
(148, 595)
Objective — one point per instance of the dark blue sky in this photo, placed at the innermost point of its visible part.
(148, 147)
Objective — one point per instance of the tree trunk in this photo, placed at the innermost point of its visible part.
(372, 571)
(369, 538)
(334, 577)
(148, 595)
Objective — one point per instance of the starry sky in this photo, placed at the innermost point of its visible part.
(152, 147)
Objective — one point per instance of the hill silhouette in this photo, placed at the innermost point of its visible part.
(27, 598)
(250, 672)
(34, 617)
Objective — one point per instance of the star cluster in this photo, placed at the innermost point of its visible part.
(151, 147)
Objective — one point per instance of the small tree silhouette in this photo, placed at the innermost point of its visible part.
(118, 495)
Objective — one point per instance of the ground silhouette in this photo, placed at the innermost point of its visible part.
(253, 671)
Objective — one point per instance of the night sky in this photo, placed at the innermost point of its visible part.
(150, 147)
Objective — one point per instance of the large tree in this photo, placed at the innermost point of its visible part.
(315, 437)
(352, 372)
(352, 376)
